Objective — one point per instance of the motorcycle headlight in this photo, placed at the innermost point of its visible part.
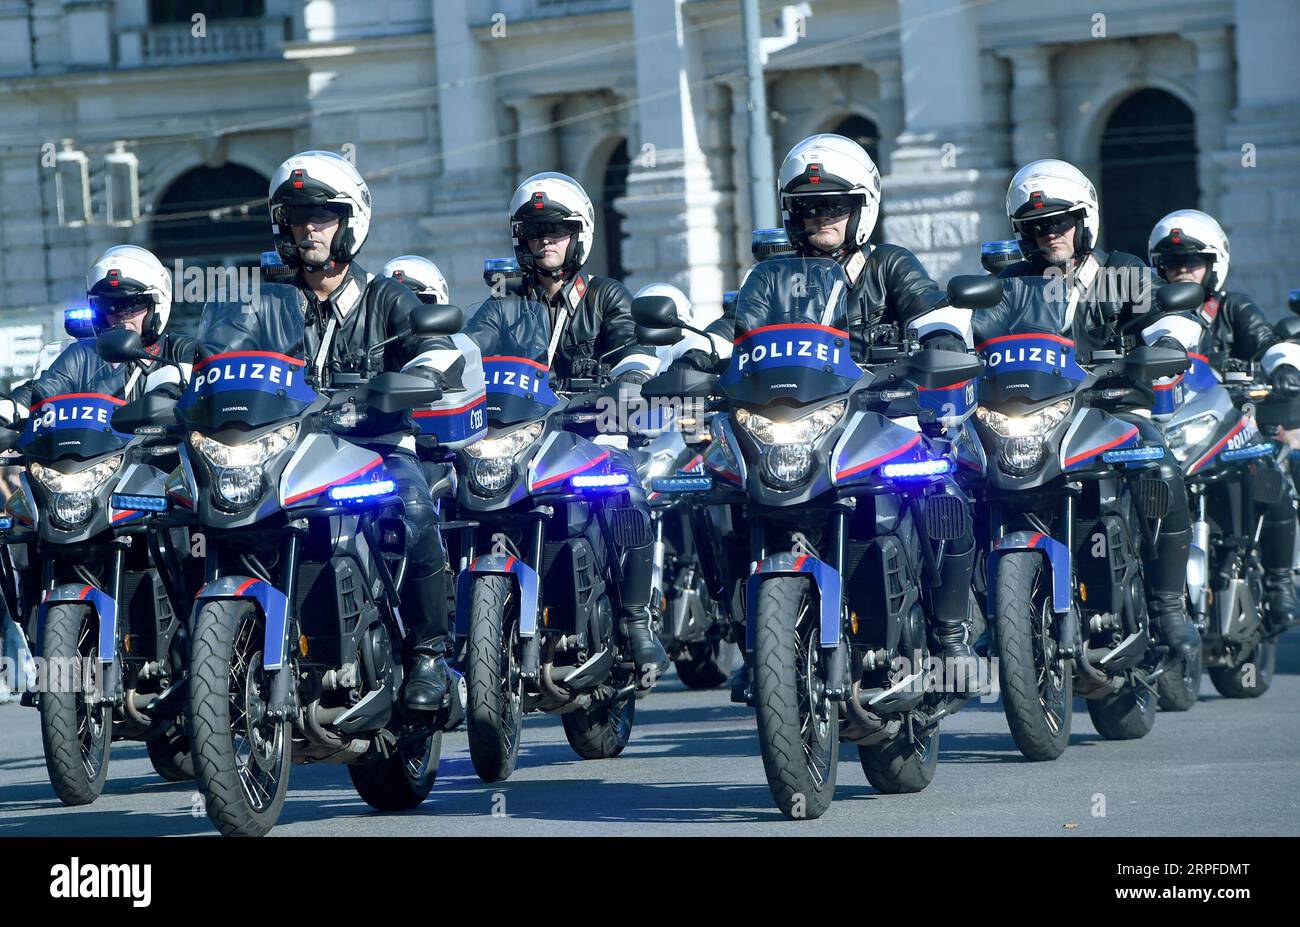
(492, 460)
(802, 430)
(787, 465)
(506, 445)
(87, 481)
(1022, 454)
(1036, 423)
(73, 509)
(1183, 439)
(239, 486)
(250, 454)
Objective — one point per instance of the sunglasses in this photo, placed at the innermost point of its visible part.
(544, 228)
(829, 207)
(1048, 225)
(1183, 261)
(316, 215)
(121, 304)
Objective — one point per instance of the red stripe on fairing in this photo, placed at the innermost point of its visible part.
(1093, 452)
(1218, 447)
(297, 362)
(801, 325)
(568, 473)
(85, 592)
(1033, 541)
(510, 562)
(430, 413)
(245, 586)
(124, 514)
(858, 468)
(1167, 386)
(298, 497)
(1001, 338)
(938, 389)
(799, 561)
(113, 399)
(514, 360)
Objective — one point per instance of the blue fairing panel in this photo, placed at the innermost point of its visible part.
(273, 603)
(826, 580)
(1058, 562)
(501, 565)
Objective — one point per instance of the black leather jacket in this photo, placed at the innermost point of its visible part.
(891, 291)
(1237, 327)
(373, 309)
(1122, 291)
(80, 370)
(598, 321)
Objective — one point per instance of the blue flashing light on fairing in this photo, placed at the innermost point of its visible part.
(362, 492)
(1247, 452)
(916, 470)
(128, 503)
(1133, 454)
(599, 481)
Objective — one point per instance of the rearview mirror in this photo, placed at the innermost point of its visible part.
(152, 410)
(655, 312)
(1180, 297)
(121, 345)
(1149, 362)
(932, 369)
(662, 337)
(436, 319)
(970, 291)
(393, 392)
(1288, 329)
(1293, 301)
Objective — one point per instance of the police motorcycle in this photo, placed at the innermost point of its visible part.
(536, 593)
(297, 630)
(1067, 499)
(103, 581)
(669, 440)
(842, 494)
(1216, 436)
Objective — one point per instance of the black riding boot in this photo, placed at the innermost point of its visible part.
(1277, 543)
(953, 627)
(651, 658)
(424, 601)
(1166, 581)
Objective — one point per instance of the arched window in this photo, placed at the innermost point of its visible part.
(865, 132)
(611, 222)
(211, 217)
(1148, 167)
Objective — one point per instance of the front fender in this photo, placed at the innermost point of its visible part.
(273, 604)
(825, 579)
(524, 576)
(81, 594)
(1057, 560)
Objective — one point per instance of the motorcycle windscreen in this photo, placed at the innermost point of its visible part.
(514, 335)
(248, 370)
(1025, 361)
(792, 339)
(78, 425)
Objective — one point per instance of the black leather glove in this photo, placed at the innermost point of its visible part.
(427, 373)
(632, 377)
(1285, 379)
(697, 360)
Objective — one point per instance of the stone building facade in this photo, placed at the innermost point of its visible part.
(446, 104)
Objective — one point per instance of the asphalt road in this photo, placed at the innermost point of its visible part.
(692, 768)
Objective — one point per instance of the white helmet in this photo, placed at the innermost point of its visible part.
(1190, 231)
(1048, 188)
(685, 311)
(126, 276)
(826, 166)
(327, 181)
(421, 275)
(553, 197)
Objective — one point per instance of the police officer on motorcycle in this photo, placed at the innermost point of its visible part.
(553, 224)
(1189, 246)
(421, 276)
(127, 288)
(1054, 212)
(320, 216)
(830, 200)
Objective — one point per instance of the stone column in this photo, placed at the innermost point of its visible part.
(538, 142)
(15, 38)
(471, 191)
(944, 192)
(1260, 162)
(889, 74)
(1213, 108)
(1033, 104)
(671, 203)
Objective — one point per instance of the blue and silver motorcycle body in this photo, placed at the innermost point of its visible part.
(843, 492)
(544, 517)
(297, 631)
(1069, 498)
